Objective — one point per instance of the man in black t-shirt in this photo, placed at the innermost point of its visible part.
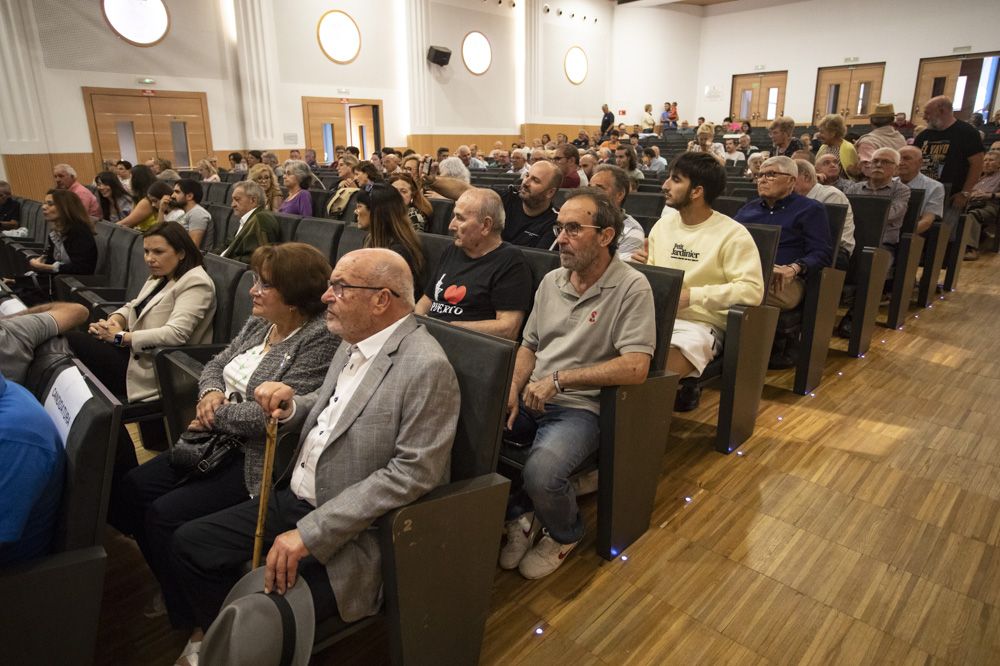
(480, 282)
(10, 208)
(952, 149)
(607, 120)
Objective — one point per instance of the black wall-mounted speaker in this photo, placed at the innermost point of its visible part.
(439, 55)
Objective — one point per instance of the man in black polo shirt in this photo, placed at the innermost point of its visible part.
(480, 282)
(528, 208)
(953, 150)
(607, 120)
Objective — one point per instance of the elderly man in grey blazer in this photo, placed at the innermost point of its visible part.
(376, 436)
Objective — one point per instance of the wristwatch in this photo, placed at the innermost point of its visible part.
(802, 267)
(119, 339)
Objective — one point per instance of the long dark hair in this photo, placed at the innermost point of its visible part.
(72, 214)
(419, 201)
(389, 221)
(117, 192)
(179, 239)
(142, 178)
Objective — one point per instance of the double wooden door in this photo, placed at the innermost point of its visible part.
(758, 98)
(851, 91)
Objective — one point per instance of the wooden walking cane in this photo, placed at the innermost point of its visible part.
(270, 444)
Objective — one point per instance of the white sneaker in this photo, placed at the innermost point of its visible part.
(521, 533)
(189, 657)
(547, 556)
(585, 483)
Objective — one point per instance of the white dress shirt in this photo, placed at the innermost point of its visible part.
(303, 482)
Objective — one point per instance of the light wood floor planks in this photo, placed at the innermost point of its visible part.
(860, 525)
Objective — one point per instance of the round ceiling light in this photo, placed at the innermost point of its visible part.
(138, 22)
(339, 37)
(477, 54)
(575, 65)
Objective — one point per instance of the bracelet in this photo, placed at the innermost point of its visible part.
(555, 380)
(209, 390)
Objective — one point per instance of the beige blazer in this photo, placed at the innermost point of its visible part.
(181, 314)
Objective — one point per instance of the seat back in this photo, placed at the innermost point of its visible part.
(644, 204)
(869, 219)
(433, 246)
(728, 206)
(352, 239)
(120, 255)
(913, 206)
(330, 182)
(324, 235)
(287, 224)
(216, 193)
(233, 176)
(225, 274)
(484, 382)
(138, 271)
(242, 305)
(221, 216)
(666, 284)
(836, 215)
(540, 263)
(441, 217)
(104, 231)
(766, 237)
(319, 200)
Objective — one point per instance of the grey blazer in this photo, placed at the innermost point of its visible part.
(391, 445)
(300, 361)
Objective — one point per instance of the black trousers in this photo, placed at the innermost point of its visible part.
(209, 554)
(149, 505)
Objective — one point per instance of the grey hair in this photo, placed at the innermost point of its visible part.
(806, 170)
(389, 273)
(620, 176)
(785, 165)
(490, 205)
(252, 190)
(452, 167)
(301, 171)
(607, 215)
(66, 168)
(891, 152)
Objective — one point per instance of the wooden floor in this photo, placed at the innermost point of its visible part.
(860, 525)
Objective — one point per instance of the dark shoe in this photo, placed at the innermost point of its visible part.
(845, 327)
(971, 254)
(688, 397)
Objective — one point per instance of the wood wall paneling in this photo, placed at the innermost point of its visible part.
(30, 176)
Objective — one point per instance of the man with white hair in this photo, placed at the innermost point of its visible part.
(828, 172)
(807, 186)
(910, 161)
(518, 162)
(453, 167)
(390, 164)
(65, 178)
(882, 182)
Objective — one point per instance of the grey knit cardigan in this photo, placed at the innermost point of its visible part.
(300, 361)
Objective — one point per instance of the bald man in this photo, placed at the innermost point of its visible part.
(376, 436)
(952, 150)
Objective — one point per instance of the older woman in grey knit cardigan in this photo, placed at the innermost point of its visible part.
(285, 340)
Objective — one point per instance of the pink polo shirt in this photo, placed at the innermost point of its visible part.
(87, 198)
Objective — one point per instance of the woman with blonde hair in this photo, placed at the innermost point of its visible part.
(264, 175)
(704, 142)
(209, 174)
(832, 130)
(647, 123)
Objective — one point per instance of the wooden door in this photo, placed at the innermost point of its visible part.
(936, 77)
(122, 119)
(851, 91)
(758, 98)
(320, 111)
(179, 130)
(363, 128)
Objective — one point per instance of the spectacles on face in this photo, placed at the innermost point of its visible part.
(259, 286)
(572, 229)
(339, 286)
(772, 175)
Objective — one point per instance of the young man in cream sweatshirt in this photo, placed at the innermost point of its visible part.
(720, 262)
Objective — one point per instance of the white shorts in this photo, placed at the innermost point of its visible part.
(698, 342)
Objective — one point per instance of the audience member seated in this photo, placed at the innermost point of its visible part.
(828, 172)
(173, 308)
(390, 164)
(804, 246)
(883, 134)
(615, 183)
(254, 157)
(362, 452)
(807, 185)
(264, 175)
(236, 163)
(480, 282)
(271, 160)
(582, 141)
(209, 174)
(753, 165)
(746, 147)
(612, 141)
(464, 154)
(123, 169)
(418, 208)
(528, 211)
(284, 340)
(932, 209)
(592, 325)
(257, 225)
(782, 133)
(297, 179)
(453, 167)
(147, 192)
(345, 170)
(626, 159)
(10, 208)
(832, 130)
(882, 182)
(381, 213)
(65, 179)
(567, 158)
(587, 163)
(952, 149)
(720, 262)
(704, 142)
(164, 170)
(983, 206)
(733, 153)
(115, 200)
(32, 471)
(538, 155)
(186, 210)
(518, 162)
(70, 248)
(21, 333)
(412, 165)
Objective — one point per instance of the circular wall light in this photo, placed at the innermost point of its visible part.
(575, 65)
(477, 54)
(138, 22)
(339, 37)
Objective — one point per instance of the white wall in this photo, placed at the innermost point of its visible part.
(668, 43)
(822, 34)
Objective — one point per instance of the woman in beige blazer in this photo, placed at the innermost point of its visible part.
(175, 307)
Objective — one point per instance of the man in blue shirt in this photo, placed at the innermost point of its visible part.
(32, 467)
(804, 246)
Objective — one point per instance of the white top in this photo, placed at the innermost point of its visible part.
(359, 359)
(241, 367)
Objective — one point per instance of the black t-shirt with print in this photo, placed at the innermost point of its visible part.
(947, 152)
(521, 229)
(465, 289)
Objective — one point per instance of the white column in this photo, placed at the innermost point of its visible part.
(532, 61)
(256, 39)
(21, 128)
(418, 24)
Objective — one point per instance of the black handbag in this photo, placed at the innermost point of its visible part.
(201, 454)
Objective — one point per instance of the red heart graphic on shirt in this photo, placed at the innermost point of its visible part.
(454, 295)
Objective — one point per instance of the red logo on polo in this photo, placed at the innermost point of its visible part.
(593, 317)
(454, 295)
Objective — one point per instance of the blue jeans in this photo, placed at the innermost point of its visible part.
(562, 438)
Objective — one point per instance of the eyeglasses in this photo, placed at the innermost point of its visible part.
(771, 175)
(339, 286)
(881, 162)
(572, 229)
(259, 285)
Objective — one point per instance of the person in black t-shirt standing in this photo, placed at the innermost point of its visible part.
(480, 282)
(607, 120)
(529, 212)
(952, 149)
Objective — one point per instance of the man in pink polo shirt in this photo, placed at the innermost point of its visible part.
(65, 177)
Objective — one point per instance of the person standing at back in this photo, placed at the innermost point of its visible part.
(952, 149)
